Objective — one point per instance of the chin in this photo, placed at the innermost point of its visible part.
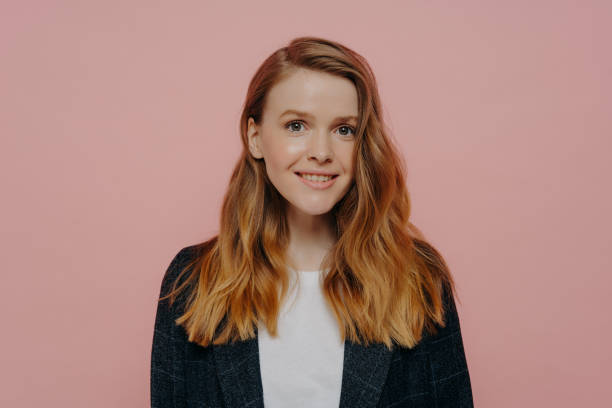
(321, 210)
(326, 211)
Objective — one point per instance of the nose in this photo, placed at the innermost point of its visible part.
(320, 147)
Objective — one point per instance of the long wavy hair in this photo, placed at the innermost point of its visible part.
(384, 283)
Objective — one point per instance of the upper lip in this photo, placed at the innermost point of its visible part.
(318, 172)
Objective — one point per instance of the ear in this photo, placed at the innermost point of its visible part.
(253, 138)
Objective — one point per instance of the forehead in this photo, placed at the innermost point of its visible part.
(318, 93)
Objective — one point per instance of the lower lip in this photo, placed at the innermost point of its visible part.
(318, 185)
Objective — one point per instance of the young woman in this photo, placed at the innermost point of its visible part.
(317, 291)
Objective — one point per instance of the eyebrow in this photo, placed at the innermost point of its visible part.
(308, 115)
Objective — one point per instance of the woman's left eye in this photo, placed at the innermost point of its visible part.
(347, 127)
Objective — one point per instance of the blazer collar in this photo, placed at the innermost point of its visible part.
(363, 376)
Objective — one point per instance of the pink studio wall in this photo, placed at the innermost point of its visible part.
(119, 129)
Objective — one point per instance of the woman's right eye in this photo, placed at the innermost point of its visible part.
(292, 126)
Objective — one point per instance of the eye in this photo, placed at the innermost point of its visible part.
(293, 128)
(347, 127)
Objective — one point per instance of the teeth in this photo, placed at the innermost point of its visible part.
(313, 177)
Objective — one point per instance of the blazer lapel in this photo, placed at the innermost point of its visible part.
(239, 375)
(363, 376)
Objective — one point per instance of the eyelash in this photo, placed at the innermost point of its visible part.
(299, 121)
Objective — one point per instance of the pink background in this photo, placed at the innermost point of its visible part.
(119, 128)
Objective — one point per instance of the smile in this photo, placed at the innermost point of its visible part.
(317, 182)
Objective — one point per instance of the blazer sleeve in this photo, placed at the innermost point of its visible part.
(166, 364)
(451, 380)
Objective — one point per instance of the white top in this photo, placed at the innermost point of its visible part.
(302, 367)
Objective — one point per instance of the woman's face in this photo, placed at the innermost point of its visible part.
(308, 126)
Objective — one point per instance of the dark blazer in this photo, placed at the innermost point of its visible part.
(183, 374)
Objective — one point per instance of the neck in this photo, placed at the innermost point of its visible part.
(310, 238)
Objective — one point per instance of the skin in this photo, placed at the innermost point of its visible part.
(318, 141)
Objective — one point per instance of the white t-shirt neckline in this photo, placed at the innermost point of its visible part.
(302, 367)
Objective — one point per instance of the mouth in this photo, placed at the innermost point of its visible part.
(317, 182)
(316, 177)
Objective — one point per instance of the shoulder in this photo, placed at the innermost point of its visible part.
(185, 256)
(176, 274)
(180, 260)
(451, 317)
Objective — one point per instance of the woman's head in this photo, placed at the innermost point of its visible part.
(334, 89)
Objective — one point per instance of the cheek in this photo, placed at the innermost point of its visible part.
(347, 160)
(278, 156)
(281, 152)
